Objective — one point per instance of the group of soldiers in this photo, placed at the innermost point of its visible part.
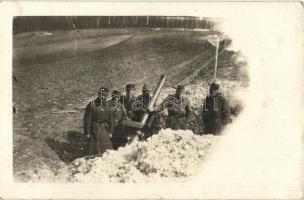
(103, 118)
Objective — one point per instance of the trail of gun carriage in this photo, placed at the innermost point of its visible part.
(120, 98)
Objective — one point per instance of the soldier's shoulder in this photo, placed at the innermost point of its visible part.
(93, 101)
(209, 98)
(89, 106)
(221, 96)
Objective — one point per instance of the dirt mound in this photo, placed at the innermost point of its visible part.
(169, 155)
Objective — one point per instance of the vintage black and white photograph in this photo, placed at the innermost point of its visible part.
(120, 98)
(153, 100)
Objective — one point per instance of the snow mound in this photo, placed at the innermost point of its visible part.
(168, 156)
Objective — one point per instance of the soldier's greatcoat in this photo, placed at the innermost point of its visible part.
(119, 138)
(97, 123)
(179, 112)
(128, 103)
(216, 113)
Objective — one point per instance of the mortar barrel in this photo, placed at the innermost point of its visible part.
(157, 90)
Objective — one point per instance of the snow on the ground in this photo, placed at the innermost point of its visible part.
(168, 156)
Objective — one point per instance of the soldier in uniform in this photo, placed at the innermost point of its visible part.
(128, 101)
(118, 114)
(142, 102)
(179, 110)
(97, 124)
(216, 112)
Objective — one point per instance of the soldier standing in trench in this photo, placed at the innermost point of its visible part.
(128, 102)
(97, 124)
(216, 112)
(179, 110)
(119, 114)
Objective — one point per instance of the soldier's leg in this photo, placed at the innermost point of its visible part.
(218, 126)
(155, 130)
(211, 126)
(91, 146)
(175, 124)
(96, 132)
(121, 138)
(169, 123)
(115, 138)
(180, 124)
(147, 132)
(130, 134)
(123, 135)
(94, 147)
(104, 139)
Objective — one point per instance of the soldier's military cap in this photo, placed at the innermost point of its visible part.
(103, 90)
(146, 88)
(116, 93)
(214, 86)
(181, 88)
(130, 86)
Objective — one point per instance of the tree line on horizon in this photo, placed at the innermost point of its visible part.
(40, 23)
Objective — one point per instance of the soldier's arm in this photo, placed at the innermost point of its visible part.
(226, 118)
(124, 112)
(111, 122)
(124, 109)
(204, 113)
(87, 119)
(121, 100)
(188, 110)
